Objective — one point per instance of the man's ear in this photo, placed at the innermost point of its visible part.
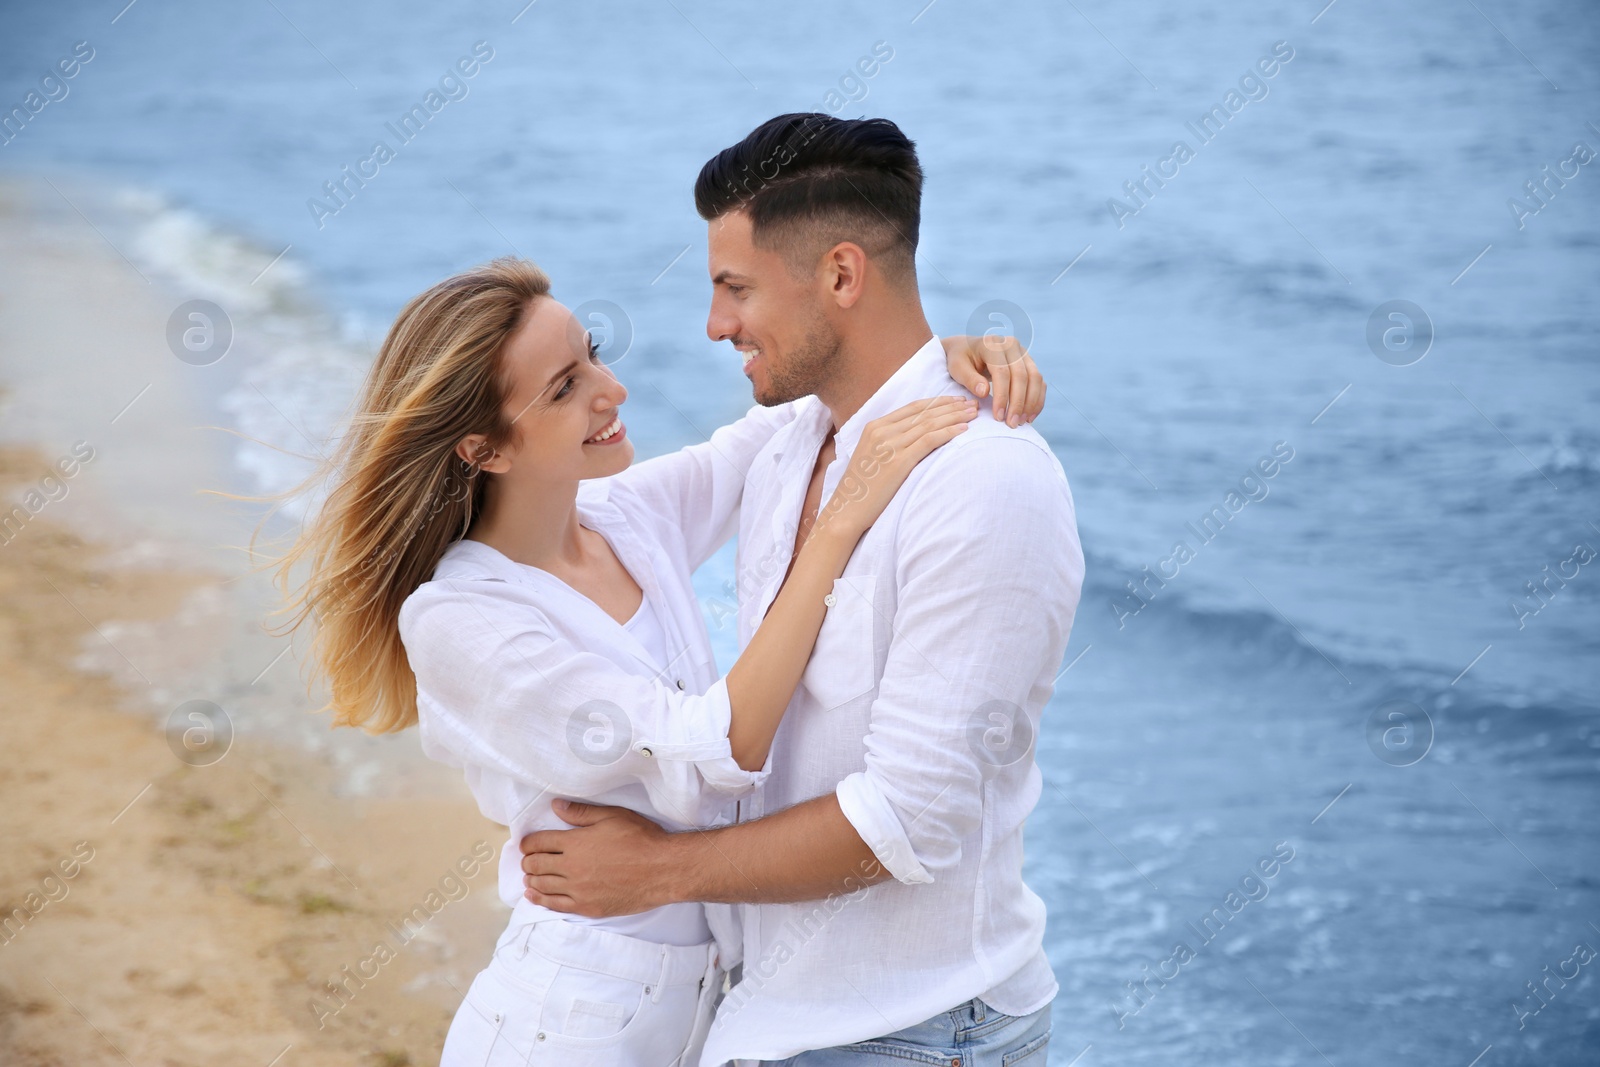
(476, 451)
(844, 269)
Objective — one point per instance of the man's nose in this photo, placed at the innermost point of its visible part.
(721, 326)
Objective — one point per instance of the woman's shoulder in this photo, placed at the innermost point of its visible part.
(462, 561)
(470, 581)
(615, 506)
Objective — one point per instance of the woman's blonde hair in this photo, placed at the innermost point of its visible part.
(399, 495)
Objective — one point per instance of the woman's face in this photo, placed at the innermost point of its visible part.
(564, 402)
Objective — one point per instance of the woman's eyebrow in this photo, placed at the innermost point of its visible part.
(558, 376)
(568, 369)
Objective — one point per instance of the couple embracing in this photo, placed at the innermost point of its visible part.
(817, 858)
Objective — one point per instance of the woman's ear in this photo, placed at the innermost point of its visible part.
(475, 450)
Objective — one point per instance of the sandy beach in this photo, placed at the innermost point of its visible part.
(290, 897)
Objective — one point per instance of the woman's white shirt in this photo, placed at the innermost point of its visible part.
(645, 626)
(537, 693)
(674, 924)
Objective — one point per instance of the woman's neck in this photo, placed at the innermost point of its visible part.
(536, 526)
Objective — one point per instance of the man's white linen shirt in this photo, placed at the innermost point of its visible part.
(919, 710)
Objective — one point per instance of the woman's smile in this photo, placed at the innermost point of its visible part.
(614, 431)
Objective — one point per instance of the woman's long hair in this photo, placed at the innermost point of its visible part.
(399, 495)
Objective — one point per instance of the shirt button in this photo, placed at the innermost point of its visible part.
(646, 752)
(830, 600)
(680, 683)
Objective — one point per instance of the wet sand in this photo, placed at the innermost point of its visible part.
(315, 897)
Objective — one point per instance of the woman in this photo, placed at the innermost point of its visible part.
(488, 565)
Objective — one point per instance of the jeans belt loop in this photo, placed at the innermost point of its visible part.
(527, 938)
(661, 979)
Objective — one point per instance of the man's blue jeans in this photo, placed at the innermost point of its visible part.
(972, 1035)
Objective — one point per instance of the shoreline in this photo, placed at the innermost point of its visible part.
(261, 875)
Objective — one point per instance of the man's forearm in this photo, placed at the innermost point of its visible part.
(806, 852)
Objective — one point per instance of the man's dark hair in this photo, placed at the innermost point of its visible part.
(809, 181)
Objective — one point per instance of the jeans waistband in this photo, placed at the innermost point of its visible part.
(594, 948)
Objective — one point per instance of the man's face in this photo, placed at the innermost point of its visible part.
(777, 321)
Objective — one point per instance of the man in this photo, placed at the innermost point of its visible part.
(880, 866)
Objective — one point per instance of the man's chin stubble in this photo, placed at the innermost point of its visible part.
(809, 368)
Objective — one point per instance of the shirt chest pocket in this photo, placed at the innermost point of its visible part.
(844, 664)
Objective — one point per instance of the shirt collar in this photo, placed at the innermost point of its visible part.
(810, 426)
(925, 374)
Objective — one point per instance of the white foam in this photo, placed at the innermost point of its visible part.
(300, 365)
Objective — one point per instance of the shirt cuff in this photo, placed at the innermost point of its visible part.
(698, 734)
(870, 812)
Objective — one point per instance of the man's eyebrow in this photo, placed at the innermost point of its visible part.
(729, 275)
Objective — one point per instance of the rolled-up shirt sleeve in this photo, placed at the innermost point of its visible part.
(698, 489)
(497, 689)
(986, 599)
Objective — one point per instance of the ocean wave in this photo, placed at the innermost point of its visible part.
(1188, 625)
(1576, 455)
(295, 365)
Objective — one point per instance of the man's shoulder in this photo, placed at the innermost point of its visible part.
(996, 496)
(990, 448)
(995, 476)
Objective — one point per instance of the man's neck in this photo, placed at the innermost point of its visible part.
(872, 353)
